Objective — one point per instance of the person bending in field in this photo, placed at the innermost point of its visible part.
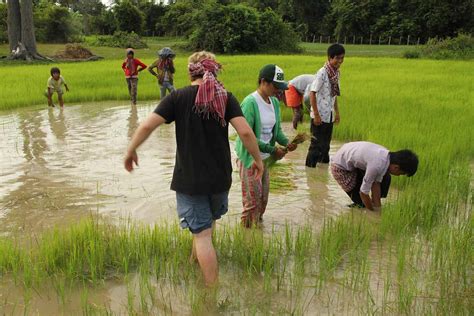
(324, 107)
(363, 167)
(262, 111)
(55, 83)
(297, 95)
(203, 170)
(165, 70)
(131, 67)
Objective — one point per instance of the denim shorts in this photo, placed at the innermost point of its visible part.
(197, 212)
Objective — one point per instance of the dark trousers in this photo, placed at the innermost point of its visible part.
(320, 141)
(132, 84)
(355, 193)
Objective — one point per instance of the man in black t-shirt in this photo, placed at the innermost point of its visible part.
(203, 171)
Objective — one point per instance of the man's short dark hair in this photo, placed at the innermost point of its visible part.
(55, 70)
(406, 159)
(336, 50)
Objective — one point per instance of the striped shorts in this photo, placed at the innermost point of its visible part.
(346, 179)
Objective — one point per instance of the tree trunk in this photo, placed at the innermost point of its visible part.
(27, 27)
(21, 31)
(14, 23)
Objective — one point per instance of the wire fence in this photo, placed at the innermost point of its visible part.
(367, 40)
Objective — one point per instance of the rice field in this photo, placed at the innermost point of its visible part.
(416, 258)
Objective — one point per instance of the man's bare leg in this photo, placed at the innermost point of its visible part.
(206, 256)
(193, 258)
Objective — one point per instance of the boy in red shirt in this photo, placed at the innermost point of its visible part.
(131, 67)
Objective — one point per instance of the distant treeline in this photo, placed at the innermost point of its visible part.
(68, 20)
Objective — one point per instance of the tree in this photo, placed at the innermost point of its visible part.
(14, 24)
(21, 31)
(239, 28)
(3, 23)
(153, 16)
(180, 18)
(129, 18)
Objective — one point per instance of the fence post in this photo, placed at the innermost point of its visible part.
(379, 39)
(389, 40)
(345, 37)
(314, 36)
(408, 40)
(361, 40)
(370, 40)
(320, 39)
(418, 42)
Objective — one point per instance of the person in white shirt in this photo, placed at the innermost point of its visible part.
(324, 107)
(363, 167)
(297, 94)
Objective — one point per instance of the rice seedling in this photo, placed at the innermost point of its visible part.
(423, 239)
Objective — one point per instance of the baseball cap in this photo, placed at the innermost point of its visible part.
(274, 74)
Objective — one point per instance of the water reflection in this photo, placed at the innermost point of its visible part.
(57, 123)
(51, 181)
(37, 196)
(132, 120)
(34, 138)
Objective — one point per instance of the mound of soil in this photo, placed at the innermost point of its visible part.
(76, 52)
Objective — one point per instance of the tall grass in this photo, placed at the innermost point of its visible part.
(398, 83)
(290, 271)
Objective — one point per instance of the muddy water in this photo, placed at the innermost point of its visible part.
(58, 166)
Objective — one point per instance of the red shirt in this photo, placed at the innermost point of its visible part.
(130, 67)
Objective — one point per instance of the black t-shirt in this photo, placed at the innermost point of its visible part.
(203, 161)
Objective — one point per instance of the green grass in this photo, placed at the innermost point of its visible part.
(154, 44)
(284, 272)
(421, 247)
(104, 80)
(179, 45)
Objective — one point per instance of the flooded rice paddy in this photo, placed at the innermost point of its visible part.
(61, 166)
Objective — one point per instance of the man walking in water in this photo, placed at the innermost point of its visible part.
(203, 170)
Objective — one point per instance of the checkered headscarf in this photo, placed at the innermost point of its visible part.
(211, 99)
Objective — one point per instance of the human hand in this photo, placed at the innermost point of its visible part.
(257, 168)
(291, 147)
(130, 158)
(337, 119)
(279, 153)
(317, 120)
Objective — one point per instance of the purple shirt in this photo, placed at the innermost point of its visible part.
(372, 158)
